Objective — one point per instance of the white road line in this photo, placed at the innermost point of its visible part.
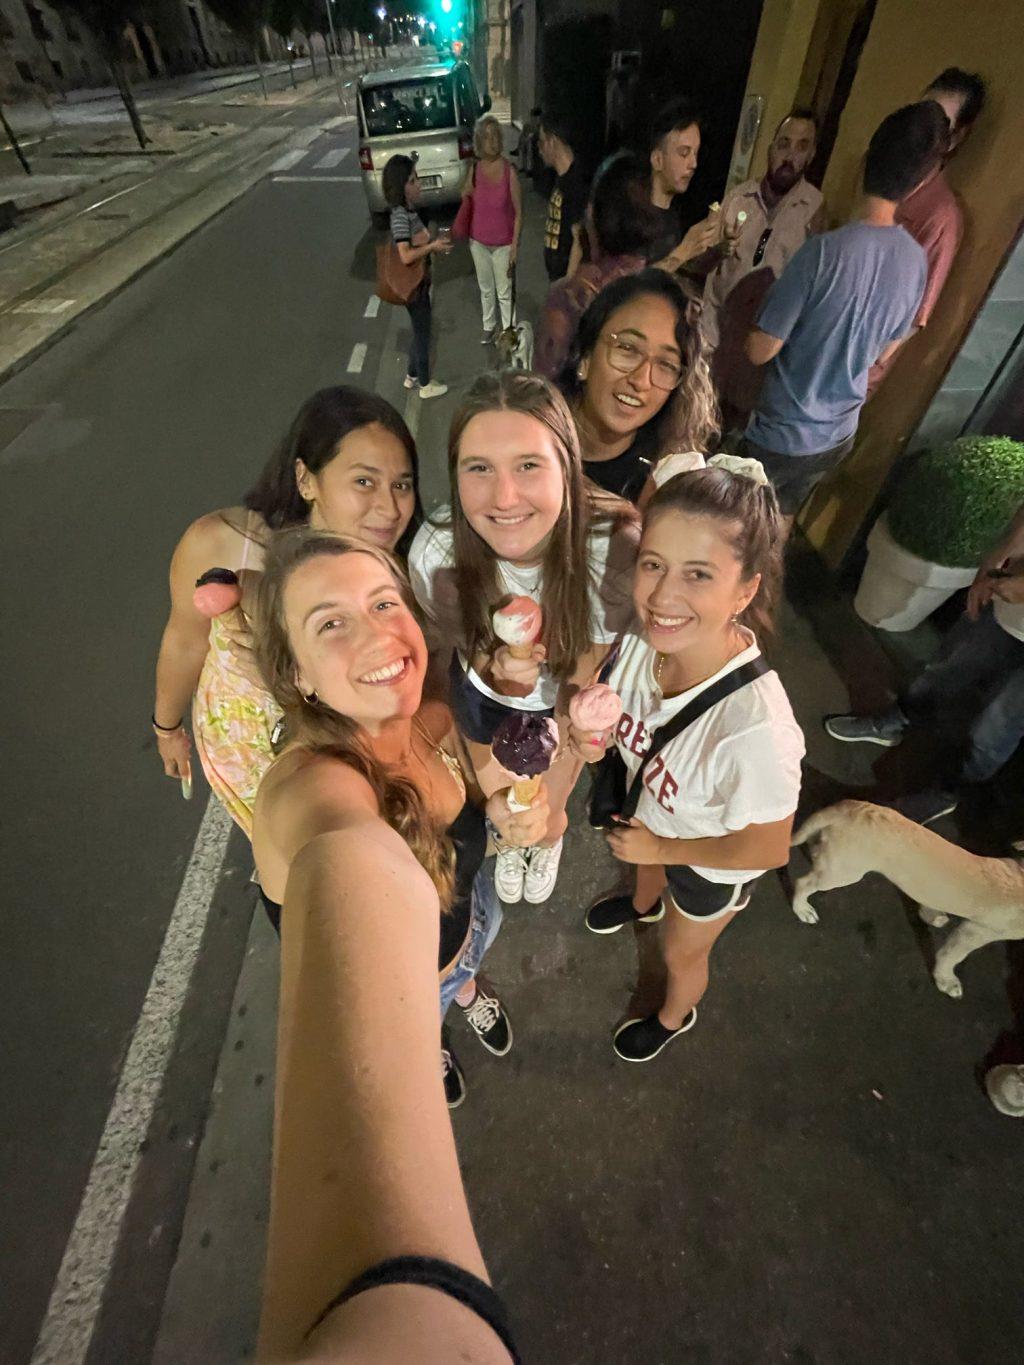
(43, 306)
(286, 162)
(331, 159)
(340, 121)
(78, 1290)
(356, 359)
(317, 179)
(373, 307)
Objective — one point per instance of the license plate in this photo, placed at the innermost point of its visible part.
(430, 182)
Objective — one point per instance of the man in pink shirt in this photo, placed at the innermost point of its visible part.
(932, 214)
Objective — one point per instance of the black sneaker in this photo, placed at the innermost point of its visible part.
(640, 1040)
(609, 915)
(487, 1018)
(926, 807)
(454, 1080)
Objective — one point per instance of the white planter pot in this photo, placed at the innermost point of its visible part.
(897, 589)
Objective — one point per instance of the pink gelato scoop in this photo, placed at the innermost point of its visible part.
(518, 624)
(217, 592)
(595, 709)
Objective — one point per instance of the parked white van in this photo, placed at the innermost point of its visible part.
(423, 112)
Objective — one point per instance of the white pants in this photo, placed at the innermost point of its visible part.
(492, 276)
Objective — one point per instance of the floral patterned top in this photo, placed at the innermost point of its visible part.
(233, 715)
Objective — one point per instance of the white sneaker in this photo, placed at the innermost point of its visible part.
(542, 873)
(433, 389)
(509, 874)
(411, 382)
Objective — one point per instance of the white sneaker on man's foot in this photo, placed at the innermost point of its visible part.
(510, 874)
(542, 873)
(433, 389)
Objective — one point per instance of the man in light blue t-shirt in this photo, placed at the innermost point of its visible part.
(845, 300)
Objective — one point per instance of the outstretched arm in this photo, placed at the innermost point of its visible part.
(364, 1159)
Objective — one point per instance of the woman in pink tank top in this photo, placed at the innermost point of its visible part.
(496, 219)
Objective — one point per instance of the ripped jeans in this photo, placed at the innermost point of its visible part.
(483, 930)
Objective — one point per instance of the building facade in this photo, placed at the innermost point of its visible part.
(44, 52)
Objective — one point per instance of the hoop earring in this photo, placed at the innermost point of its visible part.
(312, 699)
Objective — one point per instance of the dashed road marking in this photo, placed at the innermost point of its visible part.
(357, 358)
(373, 307)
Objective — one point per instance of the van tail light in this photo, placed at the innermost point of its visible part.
(365, 159)
(465, 146)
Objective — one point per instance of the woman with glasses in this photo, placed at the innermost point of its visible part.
(618, 228)
(637, 382)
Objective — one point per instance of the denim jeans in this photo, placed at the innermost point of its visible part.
(484, 926)
(419, 351)
(976, 656)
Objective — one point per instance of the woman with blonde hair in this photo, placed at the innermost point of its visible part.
(495, 221)
(344, 658)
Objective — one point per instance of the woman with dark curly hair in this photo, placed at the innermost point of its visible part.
(637, 382)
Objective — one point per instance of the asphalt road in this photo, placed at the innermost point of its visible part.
(812, 1175)
(155, 409)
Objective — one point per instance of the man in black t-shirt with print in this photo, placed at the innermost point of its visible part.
(568, 201)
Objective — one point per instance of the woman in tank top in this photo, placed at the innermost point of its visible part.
(344, 658)
(349, 465)
(495, 221)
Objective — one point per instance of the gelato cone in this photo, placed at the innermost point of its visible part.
(525, 789)
(594, 711)
(216, 592)
(518, 624)
(525, 744)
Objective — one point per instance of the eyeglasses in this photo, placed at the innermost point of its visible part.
(762, 243)
(626, 356)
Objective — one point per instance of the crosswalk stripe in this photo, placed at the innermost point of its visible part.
(332, 159)
(286, 162)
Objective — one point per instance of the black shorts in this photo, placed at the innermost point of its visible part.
(477, 715)
(793, 476)
(697, 898)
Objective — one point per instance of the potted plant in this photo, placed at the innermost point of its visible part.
(948, 510)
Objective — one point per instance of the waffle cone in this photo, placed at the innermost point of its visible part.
(521, 651)
(524, 789)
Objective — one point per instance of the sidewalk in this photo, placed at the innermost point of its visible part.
(99, 220)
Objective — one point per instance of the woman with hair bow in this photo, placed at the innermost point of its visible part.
(707, 738)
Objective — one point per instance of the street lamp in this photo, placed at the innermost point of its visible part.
(446, 6)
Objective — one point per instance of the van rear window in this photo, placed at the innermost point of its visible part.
(409, 106)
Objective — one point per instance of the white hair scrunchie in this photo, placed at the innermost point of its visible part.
(682, 462)
(741, 466)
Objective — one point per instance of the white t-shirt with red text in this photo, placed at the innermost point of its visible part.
(737, 765)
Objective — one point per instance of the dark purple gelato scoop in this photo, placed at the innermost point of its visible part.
(525, 743)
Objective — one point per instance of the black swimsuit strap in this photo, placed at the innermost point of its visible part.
(444, 1276)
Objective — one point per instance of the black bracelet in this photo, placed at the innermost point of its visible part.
(165, 729)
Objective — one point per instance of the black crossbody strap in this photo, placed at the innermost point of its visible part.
(711, 696)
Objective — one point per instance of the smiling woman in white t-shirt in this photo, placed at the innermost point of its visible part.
(717, 801)
(523, 522)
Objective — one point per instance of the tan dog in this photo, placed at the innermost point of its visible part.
(855, 837)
